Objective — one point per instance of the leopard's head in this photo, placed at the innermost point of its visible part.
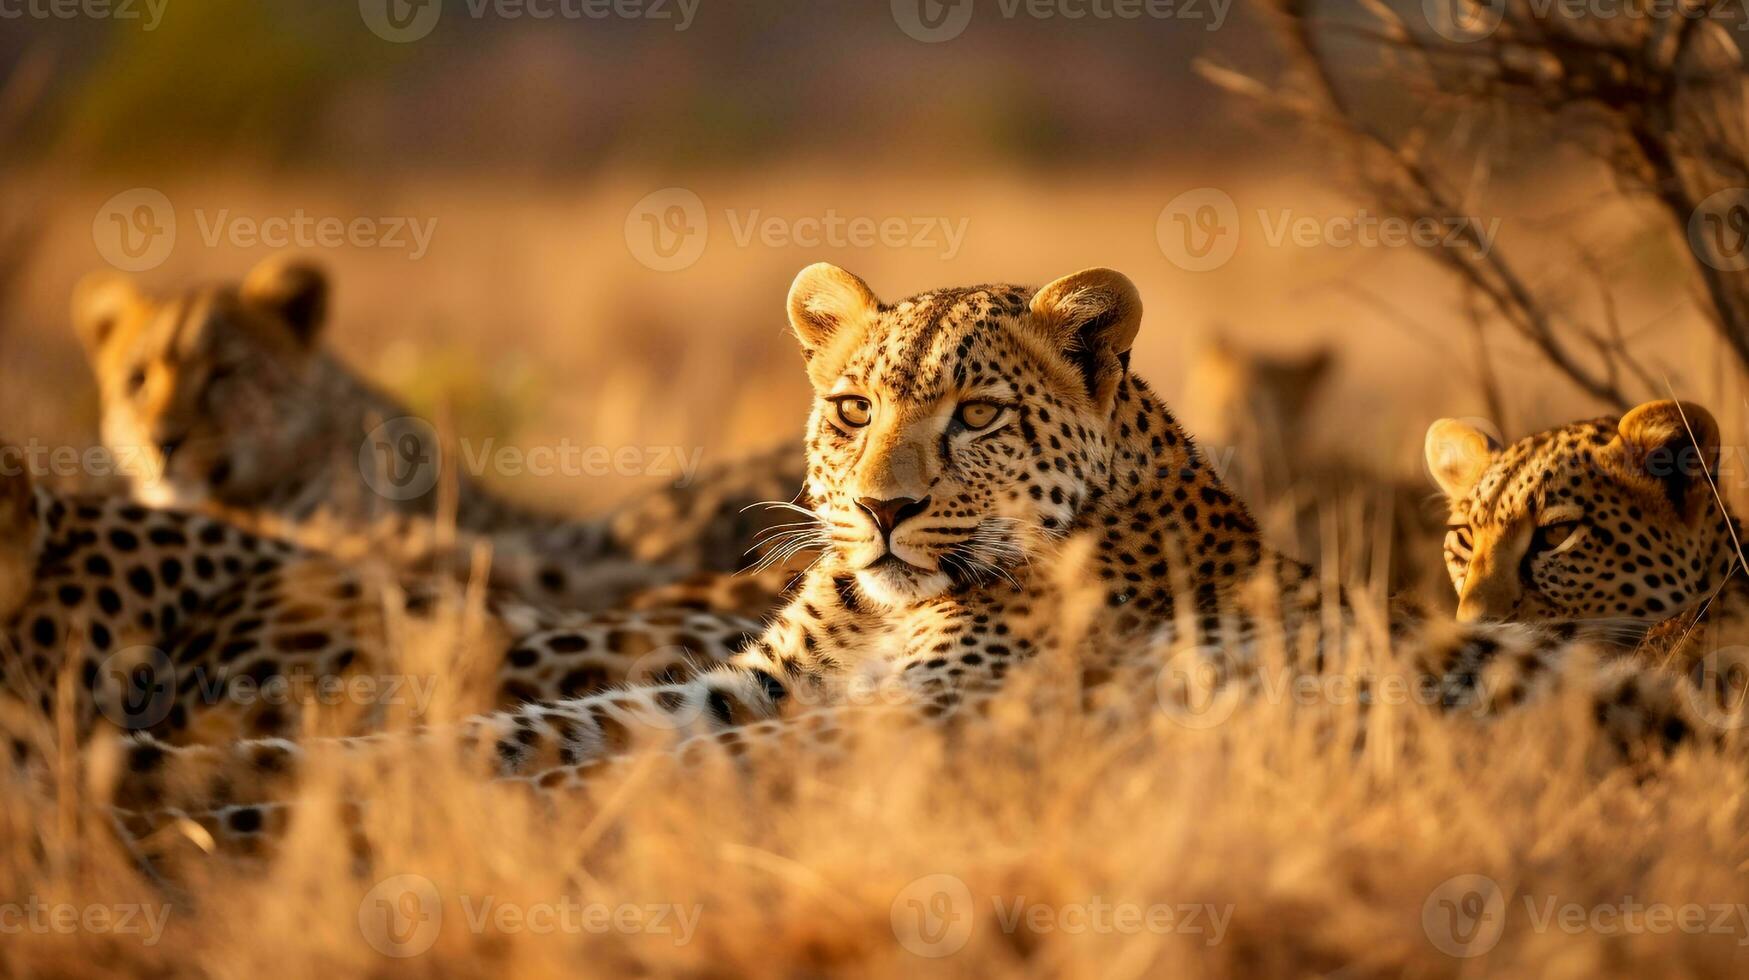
(958, 434)
(1606, 519)
(205, 394)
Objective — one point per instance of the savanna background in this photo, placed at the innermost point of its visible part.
(542, 312)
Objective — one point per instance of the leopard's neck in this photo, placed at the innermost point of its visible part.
(1166, 522)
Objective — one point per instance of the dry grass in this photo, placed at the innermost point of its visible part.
(1314, 858)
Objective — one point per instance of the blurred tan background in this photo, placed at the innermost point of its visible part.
(542, 155)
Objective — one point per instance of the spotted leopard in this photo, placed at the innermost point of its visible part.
(990, 481)
(178, 624)
(224, 397)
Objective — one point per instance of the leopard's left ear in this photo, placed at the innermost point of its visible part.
(1676, 444)
(294, 290)
(1092, 317)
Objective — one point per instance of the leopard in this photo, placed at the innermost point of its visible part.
(989, 481)
(224, 397)
(1614, 521)
(1263, 418)
(116, 616)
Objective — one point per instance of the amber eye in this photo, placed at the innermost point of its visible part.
(978, 415)
(1554, 535)
(854, 411)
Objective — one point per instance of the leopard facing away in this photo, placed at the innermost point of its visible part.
(193, 630)
(229, 400)
(982, 462)
(1609, 521)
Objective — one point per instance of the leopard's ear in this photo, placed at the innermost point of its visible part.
(823, 301)
(1458, 453)
(1676, 444)
(1092, 317)
(293, 290)
(100, 301)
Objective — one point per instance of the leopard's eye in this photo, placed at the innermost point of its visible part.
(1551, 536)
(978, 415)
(854, 411)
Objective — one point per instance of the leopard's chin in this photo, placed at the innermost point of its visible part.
(894, 584)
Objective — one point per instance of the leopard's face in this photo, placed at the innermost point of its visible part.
(1602, 520)
(954, 437)
(205, 395)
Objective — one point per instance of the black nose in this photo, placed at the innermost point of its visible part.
(890, 513)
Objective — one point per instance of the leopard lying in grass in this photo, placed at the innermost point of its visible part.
(990, 482)
(230, 399)
(1610, 521)
(193, 630)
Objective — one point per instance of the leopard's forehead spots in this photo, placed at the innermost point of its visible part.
(920, 348)
(1544, 470)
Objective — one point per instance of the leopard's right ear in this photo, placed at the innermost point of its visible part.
(1458, 453)
(100, 301)
(823, 302)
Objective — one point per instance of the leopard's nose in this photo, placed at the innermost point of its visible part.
(888, 514)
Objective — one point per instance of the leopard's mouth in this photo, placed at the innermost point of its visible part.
(890, 563)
